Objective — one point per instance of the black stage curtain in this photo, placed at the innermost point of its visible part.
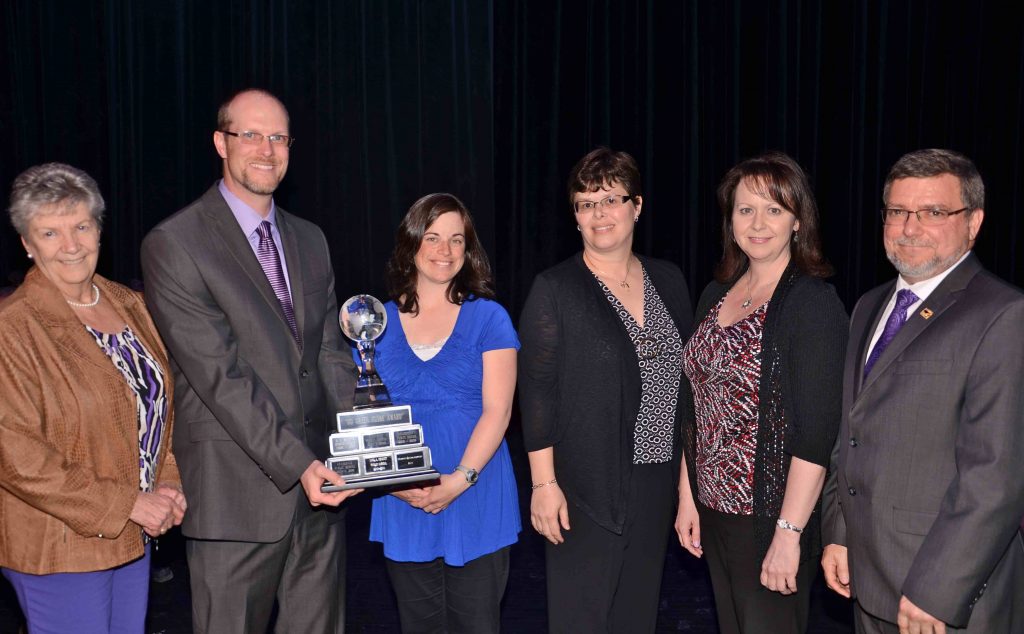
(494, 100)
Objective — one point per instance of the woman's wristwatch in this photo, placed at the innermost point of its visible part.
(472, 475)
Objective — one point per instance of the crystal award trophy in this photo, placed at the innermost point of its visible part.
(376, 443)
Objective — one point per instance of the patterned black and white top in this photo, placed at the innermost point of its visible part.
(659, 349)
(145, 377)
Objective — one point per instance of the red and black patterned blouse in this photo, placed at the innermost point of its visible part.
(724, 367)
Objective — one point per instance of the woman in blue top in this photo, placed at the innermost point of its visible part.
(450, 352)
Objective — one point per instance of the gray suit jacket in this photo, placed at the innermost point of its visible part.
(253, 410)
(927, 482)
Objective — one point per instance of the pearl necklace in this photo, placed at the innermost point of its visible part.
(95, 299)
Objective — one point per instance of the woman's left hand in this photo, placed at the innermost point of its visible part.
(452, 486)
(778, 570)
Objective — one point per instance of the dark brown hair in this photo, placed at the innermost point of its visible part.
(602, 167)
(474, 279)
(775, 176)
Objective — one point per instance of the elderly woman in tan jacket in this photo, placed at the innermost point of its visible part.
(86, 475)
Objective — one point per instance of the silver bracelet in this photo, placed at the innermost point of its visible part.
(543, 484)
(781, 523)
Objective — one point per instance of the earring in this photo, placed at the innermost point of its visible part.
(29, 255)
(636, 218)
(578, 228)
(796, 236)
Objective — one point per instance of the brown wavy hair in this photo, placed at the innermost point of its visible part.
(472, 281)
(778, 177)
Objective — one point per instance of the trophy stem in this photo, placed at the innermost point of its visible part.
(370, 388)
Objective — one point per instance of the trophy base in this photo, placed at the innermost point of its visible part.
(383, 481)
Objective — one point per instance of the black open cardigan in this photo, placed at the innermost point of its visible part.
(579, 382)
(800, 394)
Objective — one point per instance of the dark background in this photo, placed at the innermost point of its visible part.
(494, 100)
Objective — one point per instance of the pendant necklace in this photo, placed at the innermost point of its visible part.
(95, 299)
(623, 283)
(750, 295)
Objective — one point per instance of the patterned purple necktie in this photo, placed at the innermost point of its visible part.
(898, 317)
(266, 253)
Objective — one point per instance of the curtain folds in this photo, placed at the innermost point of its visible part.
(494, 100)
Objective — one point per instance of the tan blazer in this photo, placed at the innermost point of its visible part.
(69, 434)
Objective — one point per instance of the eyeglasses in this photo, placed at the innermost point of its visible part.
(608, 203)
(927, 217)
(248, 137)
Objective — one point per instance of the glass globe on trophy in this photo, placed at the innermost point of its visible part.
(376, 443)
(363, 320)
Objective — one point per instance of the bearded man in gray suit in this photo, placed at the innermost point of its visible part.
(243, 295)
(926, 489)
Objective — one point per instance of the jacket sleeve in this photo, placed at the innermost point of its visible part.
(814, 367)
(200, 338)
(335, 363)
(538, 367)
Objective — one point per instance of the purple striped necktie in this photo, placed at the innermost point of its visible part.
(270, 260)
(904, 299)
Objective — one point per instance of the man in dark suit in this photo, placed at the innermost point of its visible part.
(243, 295)
(926, 489)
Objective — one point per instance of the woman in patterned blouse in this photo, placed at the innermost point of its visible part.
(599, 382)
(86, 477)
(765, 369)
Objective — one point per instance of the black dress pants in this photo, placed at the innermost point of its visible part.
(602, 582)
(436, 598)
(743, 605)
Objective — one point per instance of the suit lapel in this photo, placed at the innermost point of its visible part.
(945, 295)
(864, 326)
(223, 224)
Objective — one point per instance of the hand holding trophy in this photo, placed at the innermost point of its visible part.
(377, 443)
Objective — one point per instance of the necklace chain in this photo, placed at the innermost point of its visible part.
(622, 283)
(750, 293)
(95, 299)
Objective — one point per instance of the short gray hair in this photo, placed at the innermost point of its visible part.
(56, 185)
(936, 162)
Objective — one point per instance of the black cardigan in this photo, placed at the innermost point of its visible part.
(800, 394)
(579, 382)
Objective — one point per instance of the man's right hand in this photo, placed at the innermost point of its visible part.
(837, 569)
(313, 477)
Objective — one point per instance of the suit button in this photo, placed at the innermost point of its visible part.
(852, 491)
(853, 442)
(305, 421)
(304, 373)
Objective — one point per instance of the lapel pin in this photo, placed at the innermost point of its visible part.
(926, 313)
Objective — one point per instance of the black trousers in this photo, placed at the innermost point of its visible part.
(235, 584)
(434, 597)
(602, 582)
(743, 605)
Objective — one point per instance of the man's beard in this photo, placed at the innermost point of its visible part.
(923, 270)
(261, 189)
